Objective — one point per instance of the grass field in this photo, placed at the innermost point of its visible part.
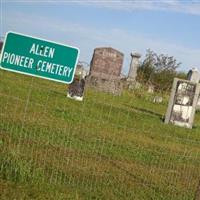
(106, 147)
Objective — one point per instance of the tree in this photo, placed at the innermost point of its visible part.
(158, 70)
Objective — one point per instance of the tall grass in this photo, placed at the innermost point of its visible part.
(106, 147)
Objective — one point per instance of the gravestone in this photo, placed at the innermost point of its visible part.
(105, 70)
(150, 89)
(198, 104)
(76, 89)
(135, 63)
(182, 103)
(81, 71)
(132, 74)
(193, 75)
(105, 62)
(157, 99)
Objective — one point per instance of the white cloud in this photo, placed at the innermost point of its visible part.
(183, 6)
(190, 7)
(88, 38)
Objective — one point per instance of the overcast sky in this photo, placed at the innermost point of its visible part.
(171, 27)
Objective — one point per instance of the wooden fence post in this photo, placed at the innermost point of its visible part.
(197, 195)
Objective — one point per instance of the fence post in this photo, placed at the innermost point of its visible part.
(197, 194)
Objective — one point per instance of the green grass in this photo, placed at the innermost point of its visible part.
(106, 147)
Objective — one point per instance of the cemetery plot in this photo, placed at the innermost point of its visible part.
(106, 147)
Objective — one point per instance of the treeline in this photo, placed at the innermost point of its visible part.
(159, 71)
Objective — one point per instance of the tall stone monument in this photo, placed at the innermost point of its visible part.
(135, 63)
(105, 70)
(132, 74)
(182, 103)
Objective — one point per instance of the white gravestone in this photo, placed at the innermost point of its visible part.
(194, 76)
(135, 63)
(182, 103)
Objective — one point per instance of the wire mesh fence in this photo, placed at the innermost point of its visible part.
(105, 147)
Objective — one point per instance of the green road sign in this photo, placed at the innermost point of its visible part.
(40, 58)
